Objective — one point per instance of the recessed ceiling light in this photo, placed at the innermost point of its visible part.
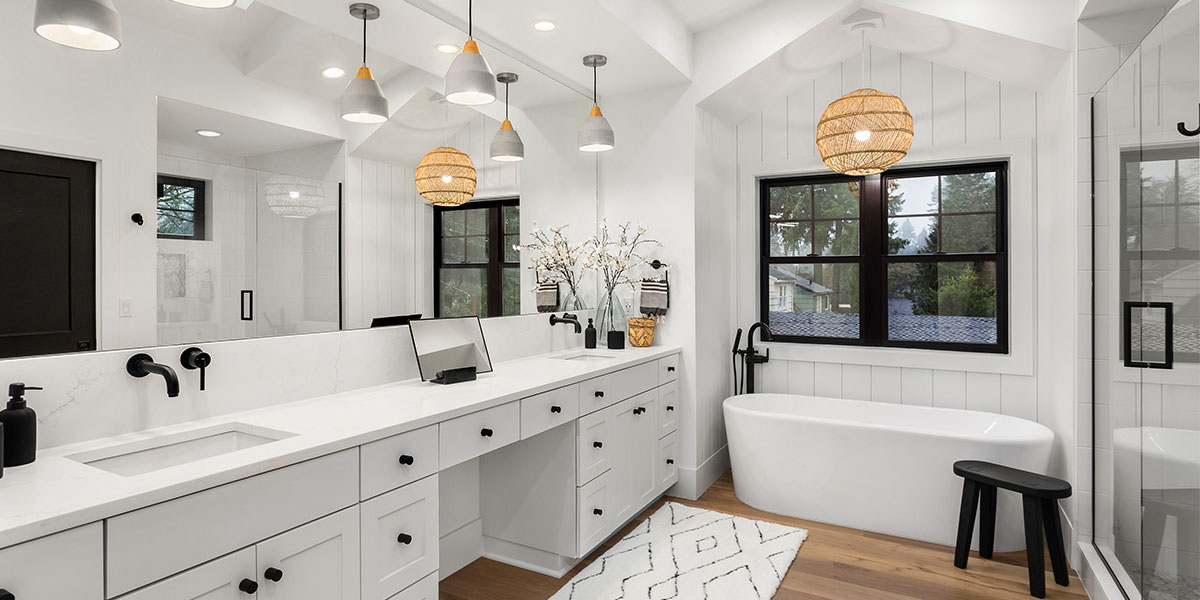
(544, 25)
(208, 133)
(447, 48)
(333, 73)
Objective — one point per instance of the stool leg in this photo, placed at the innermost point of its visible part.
(987, 520)
(966, 522)
(1054, 539)
(1033, 546)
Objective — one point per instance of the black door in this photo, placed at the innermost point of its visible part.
(47, 254)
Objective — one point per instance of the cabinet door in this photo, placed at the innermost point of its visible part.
(595, 519)
(400, 538)
(643, 450)
(621, 498)
(668, 471)
(220, 579)
(318, 561)
(596, 444)
(668, 408)
(64, 565)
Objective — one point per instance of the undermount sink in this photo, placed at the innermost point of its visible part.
(584, 356)
(174, 449)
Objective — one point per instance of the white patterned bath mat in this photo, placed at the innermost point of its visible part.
(686, 553)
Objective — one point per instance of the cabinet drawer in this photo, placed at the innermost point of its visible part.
(596, 444)
(149, 544)
(668, 408)
(399, 460)
(478, 433)
(60, 566)
(425, 589)
(594, 519)
(399, 538)
(668, 454)
(668, 368)
(606, 390)
(549, 410)
(216, 580)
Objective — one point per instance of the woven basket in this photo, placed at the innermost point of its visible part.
(641, 332)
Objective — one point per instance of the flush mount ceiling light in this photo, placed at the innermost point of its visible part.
(363, 100)
(208, 133)
(446, 177)
(470, 81)
(865, 131)
(293, 197)
(82, 24)
(545, 25)
(596, 135)
(447, 48)
(507, 145)
(333, 73)
(208, 3)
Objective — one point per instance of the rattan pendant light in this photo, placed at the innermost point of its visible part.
(446, 177)
(866, 131)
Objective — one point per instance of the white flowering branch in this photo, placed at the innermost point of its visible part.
(556, 257)
(615, 257)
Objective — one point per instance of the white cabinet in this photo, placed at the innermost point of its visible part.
(596, 442)
(398, 460)
(231, 577)
(67, 565)
(549, 410)
(399, 538)
(668, 472)
(425, 589)
(668, 368)
(594, 519)
(478, 433)
(318, 561)
(642, 448)
(606, 390)
(668, 408)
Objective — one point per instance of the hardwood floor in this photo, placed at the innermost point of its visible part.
(835, 563)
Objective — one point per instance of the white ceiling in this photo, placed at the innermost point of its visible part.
(700, 15)
(421, 124)
(241, 136)
(1103, 8)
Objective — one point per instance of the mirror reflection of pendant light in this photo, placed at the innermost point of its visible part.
(293, 197)
(865, 131)
(596, 135)
(446, 177)
(507, 145)
(469, 80)
(82, 24)
(363, 100)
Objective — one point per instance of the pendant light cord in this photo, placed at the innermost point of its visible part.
(595, 101)
(364, 40)
(505, 101)
(470, 19)
(863, 62)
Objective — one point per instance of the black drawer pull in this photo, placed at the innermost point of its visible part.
(6, 595)
(555, 409)
(670, 408)
(597, 512)
(597, 444)
(599, 394)
(406, 459)
(639, 410)
(248, 586)
(404, 538)
(273, 574)
(670, 461)
(670, 369)
(485, 432)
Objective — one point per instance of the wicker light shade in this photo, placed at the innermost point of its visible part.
(446, 177)
(864, 132)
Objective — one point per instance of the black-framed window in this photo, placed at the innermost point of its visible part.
(477, 266)
(910, 258)
(181, 207)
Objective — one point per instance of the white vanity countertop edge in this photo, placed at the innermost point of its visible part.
(56, 493)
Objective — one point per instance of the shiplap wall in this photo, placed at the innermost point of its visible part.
(388, 228)
(950, 108)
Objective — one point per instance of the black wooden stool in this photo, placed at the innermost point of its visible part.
(1040, 495)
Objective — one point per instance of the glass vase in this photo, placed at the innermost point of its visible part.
(571, 302)
(610, 316)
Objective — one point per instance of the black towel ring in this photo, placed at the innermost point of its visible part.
(658, 264)
(1183, 129)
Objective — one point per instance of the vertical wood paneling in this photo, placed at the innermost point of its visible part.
(916, 387)
(383, 221)
(885, 384)
(983, 392)
(982, 109)
(949, 114)
(352, 243)
(886, 71)
(827, 380)
(950, 389)
(916, 89)
(801, 127)
(856, 382)
(749, 139)
(1018, 113)
(852, 76)
(775, 130)
(370, 240)
(826, 89)
(1018, 396)
(800, 377)
(774, 378)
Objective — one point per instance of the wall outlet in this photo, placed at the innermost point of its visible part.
(126, 309)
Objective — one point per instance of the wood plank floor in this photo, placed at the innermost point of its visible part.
(835, 563)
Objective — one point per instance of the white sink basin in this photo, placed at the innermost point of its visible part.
(170, 450)
(584, 356)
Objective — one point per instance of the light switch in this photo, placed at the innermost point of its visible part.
(126, 307)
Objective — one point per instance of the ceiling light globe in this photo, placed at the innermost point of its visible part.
(83, 24)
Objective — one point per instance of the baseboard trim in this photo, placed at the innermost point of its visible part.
(460, 548)
(1097, 581)
(694, 482)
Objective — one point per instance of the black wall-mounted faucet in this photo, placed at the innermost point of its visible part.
(195, 358)
(567, 318)
(141, 365)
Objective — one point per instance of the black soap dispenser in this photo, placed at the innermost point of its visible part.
(589, 336)
(20, 427)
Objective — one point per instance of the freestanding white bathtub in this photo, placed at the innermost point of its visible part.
(875, 466)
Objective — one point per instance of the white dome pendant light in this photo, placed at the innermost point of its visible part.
(507, 145)
(469, 80)
(596, 135)
(83, 24)
(363, 100)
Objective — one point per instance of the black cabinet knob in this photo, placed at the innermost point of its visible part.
(597, 512)
(670, 408)
(639, 410)
(6, 595)
(485, 432)
(597, 444)
(599, 394)
(670, 461)
(273, 574)
(670, 369)
(248, 586)
(404, 538)
(555, 409)
(406, 459)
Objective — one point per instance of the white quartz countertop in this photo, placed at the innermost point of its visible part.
(56, 493)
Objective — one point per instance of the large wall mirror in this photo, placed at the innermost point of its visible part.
(199, 184)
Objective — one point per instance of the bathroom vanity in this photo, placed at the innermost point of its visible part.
(337, 497)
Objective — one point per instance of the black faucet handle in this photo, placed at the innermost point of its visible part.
(195, 358)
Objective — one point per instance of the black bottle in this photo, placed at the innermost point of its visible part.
(589, 336)
(20, 427)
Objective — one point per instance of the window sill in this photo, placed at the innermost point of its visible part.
(913, 358)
